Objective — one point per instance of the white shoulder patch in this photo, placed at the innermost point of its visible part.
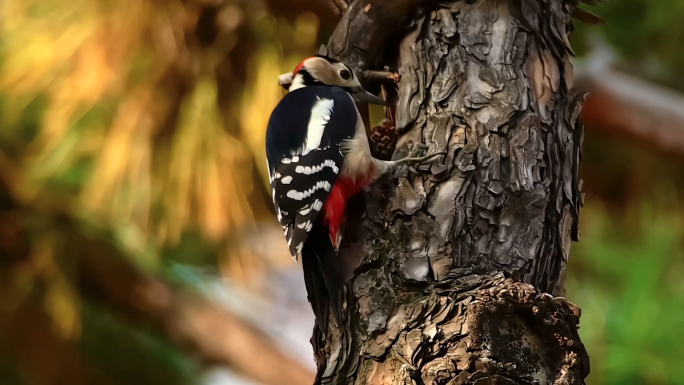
(320, 116)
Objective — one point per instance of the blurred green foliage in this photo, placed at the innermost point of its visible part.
(133, 355)
(647, 33)
(115, 351)
(626, 270)
(632, 297)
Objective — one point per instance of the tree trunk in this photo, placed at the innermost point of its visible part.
(457, 257)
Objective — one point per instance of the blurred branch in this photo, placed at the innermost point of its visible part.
(630, 106)
(195, 324)
(107, 274)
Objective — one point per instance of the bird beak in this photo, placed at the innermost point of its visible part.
(362, 96)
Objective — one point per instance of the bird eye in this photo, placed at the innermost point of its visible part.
(346, 75)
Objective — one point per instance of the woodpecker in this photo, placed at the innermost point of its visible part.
(319, 157)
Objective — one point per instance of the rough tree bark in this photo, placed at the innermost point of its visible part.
(457, 258)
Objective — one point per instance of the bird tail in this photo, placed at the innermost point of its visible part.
(323, 276)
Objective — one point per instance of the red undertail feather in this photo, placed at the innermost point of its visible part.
(334, 211)
(343, 190)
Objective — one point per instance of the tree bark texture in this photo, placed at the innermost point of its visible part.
(460, 261)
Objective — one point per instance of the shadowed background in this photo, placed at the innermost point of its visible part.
(137, 239)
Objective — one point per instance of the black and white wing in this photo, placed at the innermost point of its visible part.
(304, 156)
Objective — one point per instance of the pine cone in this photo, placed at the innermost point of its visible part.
(383, 140)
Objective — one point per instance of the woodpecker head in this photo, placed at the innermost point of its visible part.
(324, 71)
